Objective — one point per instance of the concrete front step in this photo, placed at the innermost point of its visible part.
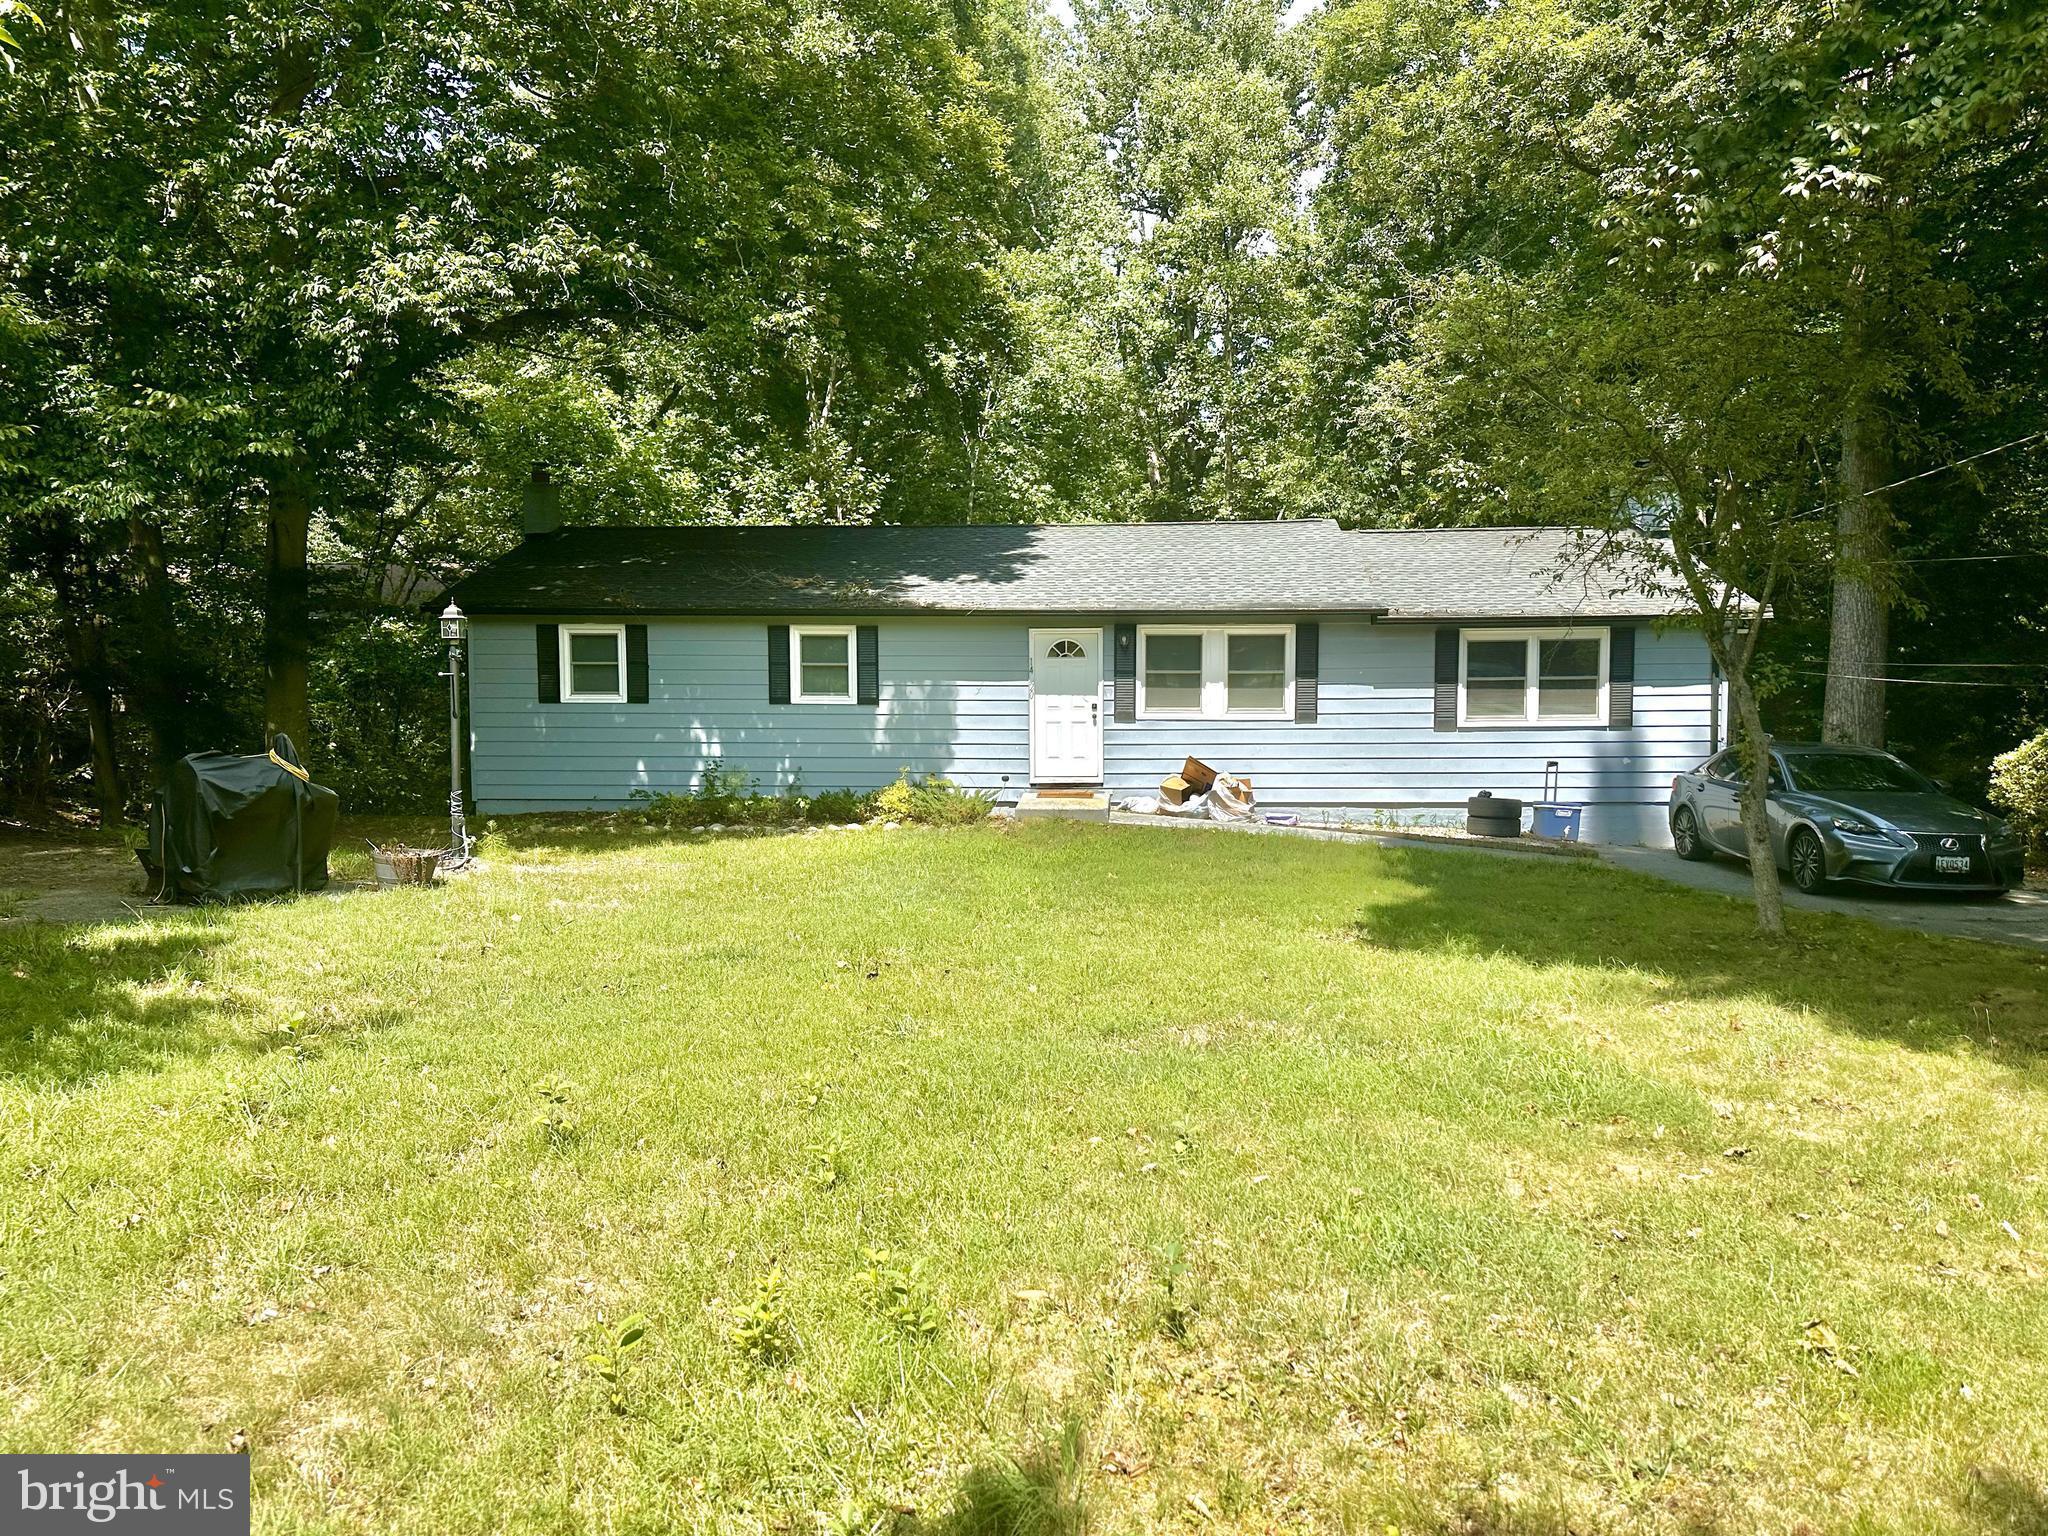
(1074, 804)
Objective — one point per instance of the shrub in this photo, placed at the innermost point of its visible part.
(724, 798)
(2019, 783)
(838, 806)
(933, 801)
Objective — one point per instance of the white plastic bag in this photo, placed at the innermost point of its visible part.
(1229, 799)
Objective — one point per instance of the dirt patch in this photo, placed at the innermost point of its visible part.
(54, 880)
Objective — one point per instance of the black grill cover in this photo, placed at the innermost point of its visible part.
(228, 827)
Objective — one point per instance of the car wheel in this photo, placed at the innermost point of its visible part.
(1685, 835)
(1809, 863)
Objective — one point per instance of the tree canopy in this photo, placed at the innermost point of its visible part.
(293, 302)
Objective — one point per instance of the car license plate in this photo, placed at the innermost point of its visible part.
(1951, 863)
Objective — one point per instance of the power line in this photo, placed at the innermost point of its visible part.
(1923, 682)
(2030, 554)
(1939, 469)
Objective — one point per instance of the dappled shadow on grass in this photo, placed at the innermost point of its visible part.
(2007, 1501)
(1037, 1496)
(82, 1002)
(1915, 990)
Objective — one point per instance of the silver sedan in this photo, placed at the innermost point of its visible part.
(1848, 813)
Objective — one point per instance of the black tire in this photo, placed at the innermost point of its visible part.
(1686, 841)
(1479, 827)
(1808, 861)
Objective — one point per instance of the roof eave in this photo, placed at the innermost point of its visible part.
(487, 610)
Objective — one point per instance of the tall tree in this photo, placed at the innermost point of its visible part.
(1199, 109)
(1559, 353)
(1841, 157)
(254, 247)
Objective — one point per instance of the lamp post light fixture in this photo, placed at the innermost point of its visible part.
(455, 631)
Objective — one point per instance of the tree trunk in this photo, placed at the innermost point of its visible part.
(287, 621)
(1859, 635)
(85, 646)
(1763, 863)
(158, 671)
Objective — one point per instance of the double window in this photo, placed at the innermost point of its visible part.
(821, 663)
(593, 663)
(1244, 672)
(1532, 677)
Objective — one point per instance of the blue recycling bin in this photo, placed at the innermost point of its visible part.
(1553, 819)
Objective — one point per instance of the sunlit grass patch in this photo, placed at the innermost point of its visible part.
(1006, 1179)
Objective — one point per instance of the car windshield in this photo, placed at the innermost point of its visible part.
(1835, 773)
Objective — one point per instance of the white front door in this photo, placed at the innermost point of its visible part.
(1066, 706)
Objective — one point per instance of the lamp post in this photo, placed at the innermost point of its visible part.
(455, 630)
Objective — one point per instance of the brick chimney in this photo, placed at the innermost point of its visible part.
(542, 504)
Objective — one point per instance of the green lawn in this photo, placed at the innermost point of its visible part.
(1230, 1182)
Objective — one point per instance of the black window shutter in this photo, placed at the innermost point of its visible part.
(1307, 661)
(1124, 673)
(636, 663)
(1621, 678)
(547, 661)
(778, 663)
(1446, 680)
(868, 665)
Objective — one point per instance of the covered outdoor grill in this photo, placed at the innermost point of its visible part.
(229, 827)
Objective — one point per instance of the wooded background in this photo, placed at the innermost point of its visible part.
(294, 298)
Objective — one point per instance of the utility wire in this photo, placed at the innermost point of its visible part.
(2029, 554)
(1923, 682)
(1939, 469)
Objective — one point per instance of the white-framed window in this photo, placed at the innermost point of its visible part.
(1532, 677)
(1241, 671)
(821, 663)
(593, 663)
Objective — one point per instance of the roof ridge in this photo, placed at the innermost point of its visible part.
(1491, 528)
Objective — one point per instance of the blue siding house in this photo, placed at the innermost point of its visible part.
(1389, 672)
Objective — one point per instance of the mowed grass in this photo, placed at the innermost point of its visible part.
(1250, 1184)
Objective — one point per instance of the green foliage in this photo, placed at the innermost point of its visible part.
(898, 1293)
(610, 1363)
(380, 712)
(1175, 1312)
(828, 1164)
(724, 797)
(380, 262)
(836, 807)
(761, 1328)
(2019, 785)
(556, 1118)
(1187, 259)
(931, 801)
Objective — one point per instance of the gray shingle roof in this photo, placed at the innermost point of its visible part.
(1512, 573)
(1302, 566)
(1293, 567)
